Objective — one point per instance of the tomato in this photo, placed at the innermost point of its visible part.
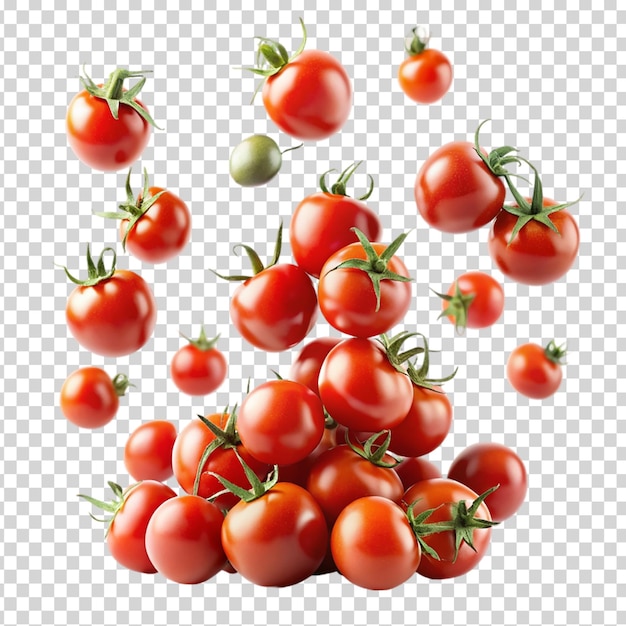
(132, 510)
(361, 389)
(306, 366)
(322, 223)
(101, 137)
(348, 284)
(373, 544)
(426, 75)
(482, 465)
(148, 451)
(183, 539)
(535, 371)
(281, 422)
(90, 397)
(536, 255)
(455, 191)
(415, 468)
(340, 476)
(189, 447)
(199, 368)
(113, 313)
(474, 300)
(440, 494)
(277, 539)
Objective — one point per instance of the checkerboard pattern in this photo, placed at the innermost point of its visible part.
(545, 72)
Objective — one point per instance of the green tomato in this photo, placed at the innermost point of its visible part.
(255, 161)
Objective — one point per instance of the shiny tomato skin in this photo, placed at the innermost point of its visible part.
(198, 372)
(162, 232)
(426, 77)
(415, 468)
(347, 298)
(310, 98)
(373, 545)
(532, 373)
(306, 366)
(537, 255)
(340, 476)
(183, 540)
(148, 451)
(275, 309)
(320, 225)
(88, 398)
(115, 317)
(487, 306)
(360, 388)
(278, 539)
(98, 139)
(454, 190)
(127, 532)
(438, 493)
(425, 426)
(485, 464)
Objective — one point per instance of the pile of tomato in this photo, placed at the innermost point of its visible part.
(324, 470)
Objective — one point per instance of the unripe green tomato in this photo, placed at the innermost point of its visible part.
(255, 161)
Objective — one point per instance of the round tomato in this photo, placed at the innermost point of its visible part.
(277, 539)
(90, 397)
(455, 191)
(113, 313)
(361, 389)
(199, 368)
(107, 126)
(364, 289)
(536, 254)
(306, 367)
(183, 539)
(281, 422)
(373, 544)
(415, 468)
(444, 495)
(148, 451)
(483, 465)
(535, 371)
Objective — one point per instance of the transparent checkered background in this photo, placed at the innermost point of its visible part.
(545, 72)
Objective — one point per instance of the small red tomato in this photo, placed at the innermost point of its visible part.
(148, 451)
(426, 75)
(306, 367)
(535, 371)
(183, 539)
(483, 465)
(199, 368)
(107, 126)
(90, 397)
(415, 468)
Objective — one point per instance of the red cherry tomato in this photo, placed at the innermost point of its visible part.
(535, 371)
(148, 451)
(90, 397)
(483, 465)
(183, 539)
(306, 366)
(415, 468)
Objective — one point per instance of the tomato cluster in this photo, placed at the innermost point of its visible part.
(324, 470)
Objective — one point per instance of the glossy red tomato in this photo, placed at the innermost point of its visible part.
(361, 389)
(426, 77)
(440, 494)
(148, 451)
(90, 397)
(415, 468)
(536, 255)
(275, 309)
(183, 539)
(278, 539)
(535, 371)
(483, 465)
(281, 422)
(306, 366)
(347, 298)
(373, 545)
(455, 191)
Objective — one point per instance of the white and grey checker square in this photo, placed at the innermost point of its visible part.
(546, 73)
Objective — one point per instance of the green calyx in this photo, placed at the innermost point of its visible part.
(339, 188)
(135, 207)
(113, 92)
(121, 384)
(96, 273)
(373, 451)
(420, 376)
(257, 264)
(457, 305)
(418, 42)
(555, 353)
(498, 158)
(202, 342)
(113, 507)
(463, 522)
(375, 266)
